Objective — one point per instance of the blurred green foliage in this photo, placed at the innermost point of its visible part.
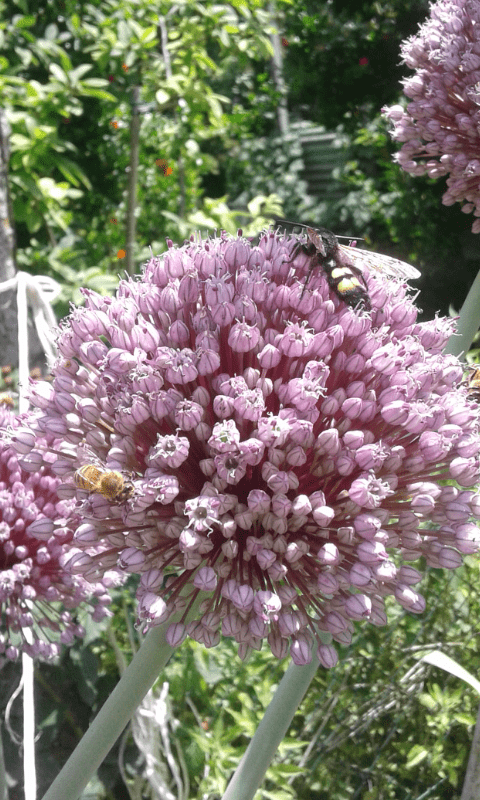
(66, 83)
(208, 109)
(381, 725)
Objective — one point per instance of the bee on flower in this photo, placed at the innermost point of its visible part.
(111, 484)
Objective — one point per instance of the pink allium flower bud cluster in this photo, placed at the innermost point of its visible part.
(37, 593)
(286, 454)
(440, 127)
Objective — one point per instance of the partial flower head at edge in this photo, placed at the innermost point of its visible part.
(39, 597)
(440, 125)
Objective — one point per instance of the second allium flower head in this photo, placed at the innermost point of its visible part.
(284, 453)
(440, 126)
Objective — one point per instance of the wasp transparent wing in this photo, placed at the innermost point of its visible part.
(391, 267)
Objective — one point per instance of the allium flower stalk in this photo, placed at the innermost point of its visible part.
(283, 453)
(440, 127)
(37, 594)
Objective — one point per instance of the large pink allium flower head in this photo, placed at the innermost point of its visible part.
(263, 443)
(38, 596)
(440, 126)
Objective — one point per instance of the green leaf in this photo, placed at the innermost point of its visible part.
(149, 34)
(32, 90)
(162, 97)
(465, 719)
(72, 172)
(49, 721)
(41, 133)
(207, 667)
(123, 32)
(26, 21)
(58, 73)
(439, 659)
(97, 83)
(81, 70)
(100, 282)
(284, 770)
(20, 142)
(215, 107)
(416, 755)
(279, 794)
(100, 94)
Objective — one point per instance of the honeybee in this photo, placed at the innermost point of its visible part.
(109, 483)
(343, 276)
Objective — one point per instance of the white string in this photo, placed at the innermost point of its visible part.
(22, 323)
(38, 292)
(29, 768)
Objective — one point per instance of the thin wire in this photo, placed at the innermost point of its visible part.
(8, 710)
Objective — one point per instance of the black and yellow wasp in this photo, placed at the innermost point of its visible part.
(339, 263)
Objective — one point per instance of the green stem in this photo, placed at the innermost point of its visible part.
(273, 727)
(114, 714)
(468, 322)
